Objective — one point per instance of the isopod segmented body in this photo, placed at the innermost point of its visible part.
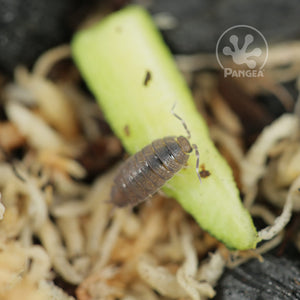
(148, 170)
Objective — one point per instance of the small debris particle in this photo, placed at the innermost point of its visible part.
(126, 130)
(147, 78)
(204, 173)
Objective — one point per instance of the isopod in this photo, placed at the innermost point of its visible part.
(144, 173)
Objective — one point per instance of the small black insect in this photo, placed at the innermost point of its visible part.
(142, 174)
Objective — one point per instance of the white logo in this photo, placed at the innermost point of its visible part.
(242, 51)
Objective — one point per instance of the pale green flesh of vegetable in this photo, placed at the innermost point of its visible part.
(114, 57)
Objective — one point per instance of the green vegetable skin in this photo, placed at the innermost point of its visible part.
(114, 57)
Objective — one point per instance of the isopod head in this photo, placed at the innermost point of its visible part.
(184, 144)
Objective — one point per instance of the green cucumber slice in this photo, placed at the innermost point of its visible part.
(128, 67)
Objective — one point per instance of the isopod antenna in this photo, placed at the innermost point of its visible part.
(197, 161)
(195, 147)
(181, 120)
